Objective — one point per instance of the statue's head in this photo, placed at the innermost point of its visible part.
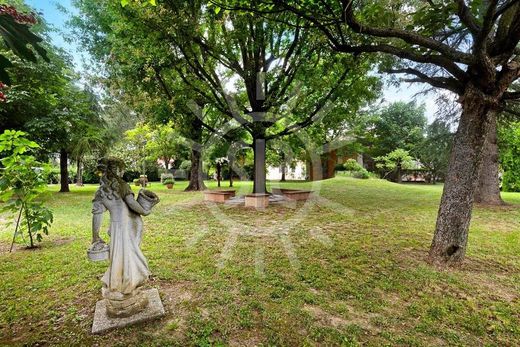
(111, 167)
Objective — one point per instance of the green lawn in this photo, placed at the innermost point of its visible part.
(347, 268)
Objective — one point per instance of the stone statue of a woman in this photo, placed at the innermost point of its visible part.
(128, 269)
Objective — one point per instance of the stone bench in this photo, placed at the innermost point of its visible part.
(257, 200)
(218, 195)
(293, 194)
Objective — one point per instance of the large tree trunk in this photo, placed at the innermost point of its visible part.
(314, 167)
(64, 172)
(259, 181)
(196, 181)
(79, 173)
(451, 232)
(399, 174)
(219, 172)
(195, 134)
(488, 188)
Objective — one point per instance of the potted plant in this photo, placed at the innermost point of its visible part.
(143, 180)
(168, 182)
(137, 182)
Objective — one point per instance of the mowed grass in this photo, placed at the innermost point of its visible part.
(347, 268)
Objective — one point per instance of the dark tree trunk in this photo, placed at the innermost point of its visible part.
(259, 182)
(231, 172)
(451, 232)
(314, 167)
(331, 159)
(399, 174)
(219, 172)
(195, 134)
(64, 172)
(196, 181)
(79, 173)
(488, 188)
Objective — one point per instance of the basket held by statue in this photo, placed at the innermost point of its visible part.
(147, 199)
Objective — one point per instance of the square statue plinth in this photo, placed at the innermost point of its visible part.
(257, 200)
(103, 323)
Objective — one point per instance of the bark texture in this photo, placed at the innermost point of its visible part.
(488, 188)
(451, 232)
(64, 171)
(194, 132)
(259, 181)
(219, 172)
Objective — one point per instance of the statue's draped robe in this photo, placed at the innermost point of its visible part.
(128, 267)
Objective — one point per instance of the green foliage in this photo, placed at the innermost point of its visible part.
(352, 165)
(164, 63)
(509, 144)
(398, 125)
(22, 180)
(361, 173)
(168, 181)
(165, 176)
(434, 151)
(185, 165)
(395, 161)
(165, 143)
(17, 36)
(151, 2)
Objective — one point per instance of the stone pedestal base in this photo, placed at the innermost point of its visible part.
(103, 323)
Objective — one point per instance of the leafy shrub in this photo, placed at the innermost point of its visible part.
(152, 171)
(166, 176)
(363, 174)
(185, 165)
(339, 167)
(352, 165)
(168, 181)
(509, 142)
(130, 175)
(53, 176)
(511, 181)
(90, 171)
(22, 180)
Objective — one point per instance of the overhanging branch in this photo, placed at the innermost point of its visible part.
(441, 82)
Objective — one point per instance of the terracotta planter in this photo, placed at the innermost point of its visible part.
(169, 186)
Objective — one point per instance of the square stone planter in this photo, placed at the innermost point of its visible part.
(257, 200)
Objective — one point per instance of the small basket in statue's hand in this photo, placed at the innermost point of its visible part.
(147, 199)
